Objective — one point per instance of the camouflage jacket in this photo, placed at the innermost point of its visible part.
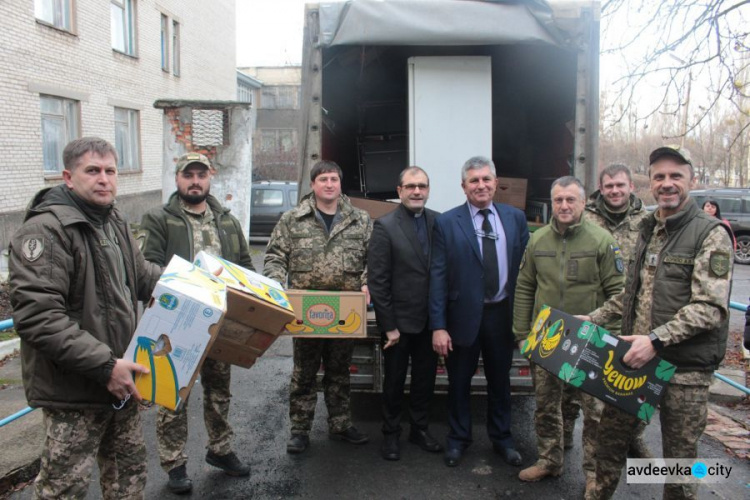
(671, 273)
(302, 253)
(626, 230)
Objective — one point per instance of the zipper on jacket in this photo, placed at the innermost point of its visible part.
(561, 284)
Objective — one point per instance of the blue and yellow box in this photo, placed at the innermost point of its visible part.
(587, 356)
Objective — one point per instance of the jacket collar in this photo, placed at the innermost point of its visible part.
(676, 221)
(306, 206)
(173, 205)
(69, 208)
(597, 205)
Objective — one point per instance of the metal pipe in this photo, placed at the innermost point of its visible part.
(6, 324)
(737, 305)
(732, 383)
(16, 415)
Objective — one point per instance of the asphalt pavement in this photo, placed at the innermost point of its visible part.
(331, 469)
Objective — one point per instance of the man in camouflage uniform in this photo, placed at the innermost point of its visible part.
(76, 276)
(675, 303)
(593, 272)
(191, 221)
(321, 245)
(615, 208)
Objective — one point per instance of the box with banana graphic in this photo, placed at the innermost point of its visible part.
(177, 329)
(327, 314)
(587, 356)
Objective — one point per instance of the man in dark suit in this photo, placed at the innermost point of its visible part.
(398, 263)
(476, 253)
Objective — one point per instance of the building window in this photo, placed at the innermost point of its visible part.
(244, 93)
(175, 48)
(54, 12)
(279, 97)
(278, 141)
(123, 26)
(59, 127)
(164, 43)
(127, 139)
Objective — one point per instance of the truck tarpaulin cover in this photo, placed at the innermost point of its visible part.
(436, 22)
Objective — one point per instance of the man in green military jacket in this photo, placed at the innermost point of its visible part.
(570, 265)
(321, 245)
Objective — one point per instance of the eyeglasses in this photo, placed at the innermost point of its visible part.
(412, 187)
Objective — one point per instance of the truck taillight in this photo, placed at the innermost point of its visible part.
(524, 372)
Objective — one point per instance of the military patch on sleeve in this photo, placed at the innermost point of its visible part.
(140, 238)
(719, 263)
(32, 247)
(619, 264)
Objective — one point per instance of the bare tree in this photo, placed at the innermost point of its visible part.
(675, 50)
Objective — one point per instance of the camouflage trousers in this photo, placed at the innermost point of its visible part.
(336, 356)
(683, 412)
(172, 426)
(74, 439)
(548, 422)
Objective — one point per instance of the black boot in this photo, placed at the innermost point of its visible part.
(179, 482)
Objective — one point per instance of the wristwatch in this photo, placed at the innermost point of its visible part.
(656, 342)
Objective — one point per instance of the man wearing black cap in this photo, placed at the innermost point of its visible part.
(675, 304)
(191, 221)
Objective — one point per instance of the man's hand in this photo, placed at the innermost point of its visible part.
(121, 380)
(441, 342)
(367, 293)
(640, 353)
(393, 338)
(520, 345)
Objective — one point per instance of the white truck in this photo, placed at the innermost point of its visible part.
(392, 83)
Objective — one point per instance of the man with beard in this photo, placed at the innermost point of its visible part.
(191, 221)
(615, 208)
(675, 303)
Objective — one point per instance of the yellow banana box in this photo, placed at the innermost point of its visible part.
(252, 299)
(326, 314)
(178, 327)
(588, 357)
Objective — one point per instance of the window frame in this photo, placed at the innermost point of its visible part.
(165, 38)
(128, 27)
(130, 152)
(176, 60)
(63, 19)
(70, 131)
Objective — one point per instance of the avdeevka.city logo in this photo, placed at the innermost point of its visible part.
(677, 470)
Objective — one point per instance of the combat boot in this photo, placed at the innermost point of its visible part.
(229, 463)
(536, 473)
(179, 482)
(297, 443)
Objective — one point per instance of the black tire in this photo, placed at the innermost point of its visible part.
(742, 255)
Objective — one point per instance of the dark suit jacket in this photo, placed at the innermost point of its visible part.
(456, 271)
(398, 272)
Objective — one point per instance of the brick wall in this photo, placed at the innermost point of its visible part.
(36, 58)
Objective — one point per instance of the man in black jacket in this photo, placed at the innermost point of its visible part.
(191, 221)
(398, 261)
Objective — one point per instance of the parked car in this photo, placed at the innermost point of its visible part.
(270, 199)
(735, 207)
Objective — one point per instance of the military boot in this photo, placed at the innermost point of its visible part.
(179, 482)
(229, 463)
(536, 472)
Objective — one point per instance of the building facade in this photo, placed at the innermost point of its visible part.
(75, 68)
(275, 140)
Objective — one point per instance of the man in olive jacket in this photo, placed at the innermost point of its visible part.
(191, 221)
(76, 276)
(571, 265)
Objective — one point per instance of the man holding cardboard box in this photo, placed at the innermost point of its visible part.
(398, 273)
(76, 276)
(571, 265)
(675, 303)
(191, 221)
(321, 245)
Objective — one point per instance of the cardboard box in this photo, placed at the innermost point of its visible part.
(176, 332)
(588, 357)
(375, 208)
(512, 191)
(257, 311)
(326, 314)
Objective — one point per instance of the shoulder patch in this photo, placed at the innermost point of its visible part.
(140, 237)
(32, 247)
(719, 264)
(619, 264)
